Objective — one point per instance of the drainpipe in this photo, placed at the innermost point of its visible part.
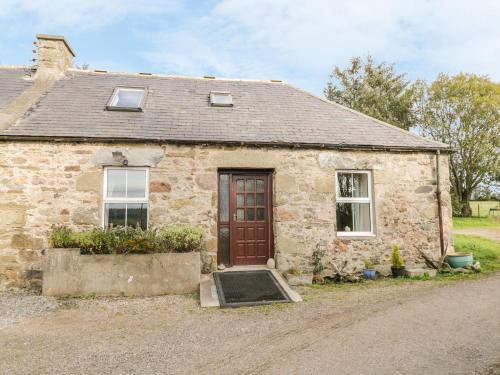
(440, 209)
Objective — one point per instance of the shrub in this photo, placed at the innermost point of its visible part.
(62, 237)
(397, 259)
(317, 259)
(145, 241)
(120, 240)
(183, 238)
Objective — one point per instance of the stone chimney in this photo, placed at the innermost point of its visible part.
(55, 56)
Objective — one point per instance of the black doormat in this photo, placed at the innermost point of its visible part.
(248, 288)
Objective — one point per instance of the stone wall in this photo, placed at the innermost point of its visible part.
(44, 184)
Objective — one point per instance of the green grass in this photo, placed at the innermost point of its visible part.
(482, 208)
(475, 222)
(486, 251)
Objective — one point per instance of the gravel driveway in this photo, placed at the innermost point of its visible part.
(375, 328)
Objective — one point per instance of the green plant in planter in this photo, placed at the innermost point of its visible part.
(397, 259)
(369, 271)
(120, 240)
(369, 265)
(398, 263)
(183, 238)
(62, 237)
(145, 242)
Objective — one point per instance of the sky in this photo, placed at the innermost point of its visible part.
(296, 41)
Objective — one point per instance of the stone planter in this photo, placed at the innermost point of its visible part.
(67, 272)
(301, 279)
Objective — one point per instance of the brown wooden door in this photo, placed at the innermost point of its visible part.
(250, 219)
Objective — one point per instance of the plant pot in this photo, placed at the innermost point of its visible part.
(398, 271)
(460, 260)
(370, 273)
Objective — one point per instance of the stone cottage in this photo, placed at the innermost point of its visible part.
(268, 170)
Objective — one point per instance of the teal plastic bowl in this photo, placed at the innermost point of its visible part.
(460, 260)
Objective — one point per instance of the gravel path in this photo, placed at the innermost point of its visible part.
(16, 305)
(491, 233)
(374, 328)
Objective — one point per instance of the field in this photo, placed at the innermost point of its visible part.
(482, 208)
(468, 239)
(486, 251)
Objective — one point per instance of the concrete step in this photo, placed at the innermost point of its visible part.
(420, 272)
(294, 296)
(208, 292)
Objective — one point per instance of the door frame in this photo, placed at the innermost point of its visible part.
(270, 191)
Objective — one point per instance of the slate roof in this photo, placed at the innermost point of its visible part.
(177, 110)
(12, 84)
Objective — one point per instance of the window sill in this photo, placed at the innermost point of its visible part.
(356, 236)
(123, 109)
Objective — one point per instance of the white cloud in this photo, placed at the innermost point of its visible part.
(81, 14)
(299, 41)
(302, 40)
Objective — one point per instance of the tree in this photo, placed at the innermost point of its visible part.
(84, 66)
(464, 111)
(376, 90)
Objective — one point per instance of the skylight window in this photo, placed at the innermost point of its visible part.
(127, 99)
(221, 99)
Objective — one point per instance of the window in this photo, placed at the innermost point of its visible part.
(224, 198)
(354, 203)
(126, 192)
(221, 99)
(127, 99)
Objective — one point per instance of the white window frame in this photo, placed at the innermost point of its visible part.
(213, 103)
(113, 107)
(368, 199)
(106, 199)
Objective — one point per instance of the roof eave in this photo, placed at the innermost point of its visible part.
(445, 149)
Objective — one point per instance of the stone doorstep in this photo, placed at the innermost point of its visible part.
(208, 290)
(420, 272)
(294, 296)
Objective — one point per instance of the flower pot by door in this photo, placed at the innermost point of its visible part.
(370, 273)
(398, 271)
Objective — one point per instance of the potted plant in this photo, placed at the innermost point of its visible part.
(398, 264)
(460, 260)
(369, 272)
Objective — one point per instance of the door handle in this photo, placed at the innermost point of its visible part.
(234, 216)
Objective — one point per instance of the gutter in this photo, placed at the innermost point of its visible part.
(299, 145)
(439, 203)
